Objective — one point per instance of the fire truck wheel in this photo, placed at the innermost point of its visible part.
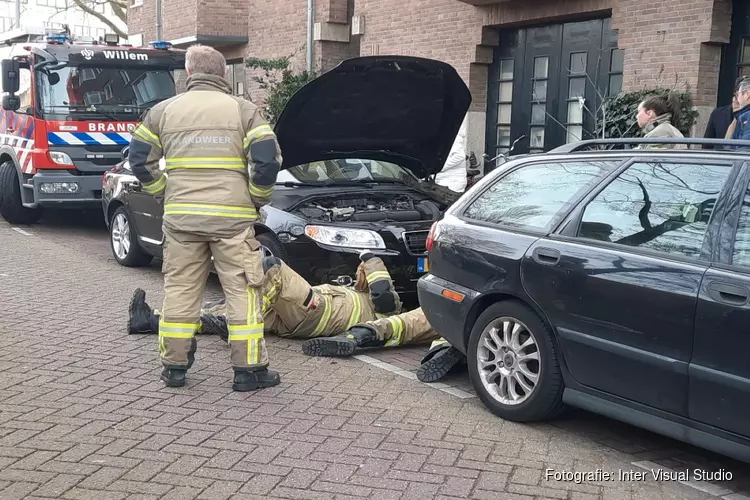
(124, 241)
(11, 206)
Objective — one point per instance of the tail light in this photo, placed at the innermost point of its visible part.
(431, 236)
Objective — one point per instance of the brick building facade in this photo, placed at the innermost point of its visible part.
(536, 68)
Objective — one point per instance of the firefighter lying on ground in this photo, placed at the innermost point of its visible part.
(335, 320)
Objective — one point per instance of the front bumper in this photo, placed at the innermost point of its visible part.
(446, 316)
(88, 193)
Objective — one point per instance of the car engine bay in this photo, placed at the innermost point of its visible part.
(370, 208)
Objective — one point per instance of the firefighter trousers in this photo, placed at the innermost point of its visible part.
(410, 327)
(187, 260)
(294, 309)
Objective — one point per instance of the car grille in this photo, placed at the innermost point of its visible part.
(416, 242)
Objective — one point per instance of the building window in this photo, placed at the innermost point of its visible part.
(743, 68)
(95, 33)
(6, 23)
(236, 77)
(504, 105)
(616, 68)
(60, 4)
(538, 104)
(576, 96)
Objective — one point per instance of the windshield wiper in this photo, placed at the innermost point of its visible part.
(323, 184)
(80, 108)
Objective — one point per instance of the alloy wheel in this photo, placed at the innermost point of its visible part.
(508, 361)
(121, 236)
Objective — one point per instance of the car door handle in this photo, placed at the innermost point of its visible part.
(729, 294)
(546, 256)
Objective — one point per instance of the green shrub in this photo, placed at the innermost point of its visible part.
(279, 83)
(617, 116)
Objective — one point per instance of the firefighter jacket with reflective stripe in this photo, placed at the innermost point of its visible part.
(221, 158)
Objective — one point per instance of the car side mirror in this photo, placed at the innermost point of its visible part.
(11, 102)
(11, 76)
(125, 152)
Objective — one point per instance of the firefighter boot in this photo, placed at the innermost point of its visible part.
(173, 377)
(245, 381)
(342, 345)
(141, 318)
(215, 325)
(438, 361)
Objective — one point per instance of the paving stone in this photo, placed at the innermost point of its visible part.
(86, 418)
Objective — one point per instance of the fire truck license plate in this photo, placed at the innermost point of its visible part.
(423, 264)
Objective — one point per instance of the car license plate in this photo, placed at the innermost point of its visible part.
(423, 264)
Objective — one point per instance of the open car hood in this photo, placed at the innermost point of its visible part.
(400, 109)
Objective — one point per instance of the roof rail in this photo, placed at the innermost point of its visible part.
(582, 145)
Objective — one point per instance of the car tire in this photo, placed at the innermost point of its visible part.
(123, 241)
(272, 245)
(544, 399)
(11, 205)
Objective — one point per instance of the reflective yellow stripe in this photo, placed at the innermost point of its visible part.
(253, 331)
(177, 330)
(325, 317)
(257, 133)
(205, 209)
(398, 331)
(377, 275)
(356, 315)
(438, 342)
(156, 186)
(143, 133)
(261, 192)
(233, 162)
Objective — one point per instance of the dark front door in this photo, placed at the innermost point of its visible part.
(719, 369)
(547, 83)
(736, 56)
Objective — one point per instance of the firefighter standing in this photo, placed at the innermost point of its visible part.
(222, 159)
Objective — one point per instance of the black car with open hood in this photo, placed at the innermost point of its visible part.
(361, 145)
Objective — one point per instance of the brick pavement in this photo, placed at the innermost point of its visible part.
(85, 417)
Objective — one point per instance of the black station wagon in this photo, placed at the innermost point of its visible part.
(613, 280)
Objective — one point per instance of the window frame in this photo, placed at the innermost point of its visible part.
(569, 228)
(723, 254)
(557, 218)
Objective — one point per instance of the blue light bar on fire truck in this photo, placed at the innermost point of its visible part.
(57, 38)
(161, 45)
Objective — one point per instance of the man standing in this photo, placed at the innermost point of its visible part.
(740, 128)
(222, 160)
(721, 118)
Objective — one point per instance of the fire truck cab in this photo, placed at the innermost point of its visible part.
(69, 106)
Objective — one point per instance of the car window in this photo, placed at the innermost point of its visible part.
(349, 170)
(741, 252)
(532, 195)
(657, 205)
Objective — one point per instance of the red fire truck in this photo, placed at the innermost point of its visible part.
(69, 106)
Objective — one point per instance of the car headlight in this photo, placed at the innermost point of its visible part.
(345, 237)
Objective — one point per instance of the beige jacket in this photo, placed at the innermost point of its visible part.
(222, 158)
(662, 128)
